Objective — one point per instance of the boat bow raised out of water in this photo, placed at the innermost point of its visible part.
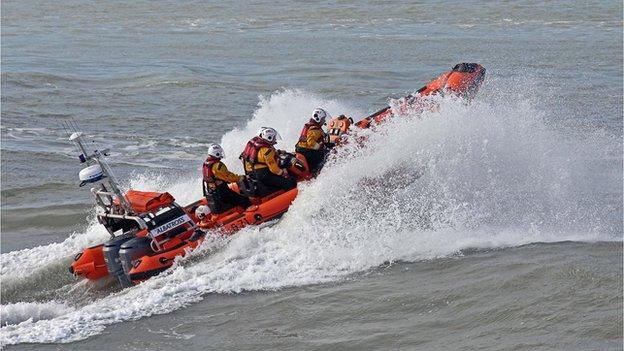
(149, 229)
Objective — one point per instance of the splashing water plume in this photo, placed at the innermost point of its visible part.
(484, 175)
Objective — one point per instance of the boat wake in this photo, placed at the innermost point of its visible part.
(485, 175)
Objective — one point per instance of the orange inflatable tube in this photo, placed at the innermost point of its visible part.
(151, 265)
(90, 263)
(463, 80)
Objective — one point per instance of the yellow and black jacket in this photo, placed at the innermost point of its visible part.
(216, 174)
(259, 154)
(312, 137)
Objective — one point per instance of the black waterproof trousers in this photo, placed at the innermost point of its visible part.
(223, 198)
(315, 158)
(269, 182)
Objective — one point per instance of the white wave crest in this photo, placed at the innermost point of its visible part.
(30, 312)
(484, 175)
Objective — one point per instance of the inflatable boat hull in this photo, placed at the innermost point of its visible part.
(133, 259)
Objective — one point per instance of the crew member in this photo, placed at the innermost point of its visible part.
(260, 159)
(313, 141)
(216, 178)
(204, 216)
(337, 129)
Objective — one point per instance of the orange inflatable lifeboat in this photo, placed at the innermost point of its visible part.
(149, 229)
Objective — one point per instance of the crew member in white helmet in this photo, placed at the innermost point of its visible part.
(260, 159)
(216, 178)
(313, 141)
(204, 216)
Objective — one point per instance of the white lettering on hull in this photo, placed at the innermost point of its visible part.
(169, 225)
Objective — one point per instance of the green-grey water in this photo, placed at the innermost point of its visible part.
(509, 238)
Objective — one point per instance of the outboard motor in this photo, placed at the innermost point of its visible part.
(131, 250)
(112, 258)
(166, 229)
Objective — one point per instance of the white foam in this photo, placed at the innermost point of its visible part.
(478, 176)
(30, 312)
(20, 264)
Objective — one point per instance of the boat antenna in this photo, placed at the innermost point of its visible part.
(97, 157)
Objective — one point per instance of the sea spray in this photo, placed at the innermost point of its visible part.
(483, 175)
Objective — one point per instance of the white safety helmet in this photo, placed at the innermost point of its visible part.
(215, 150)
(202, 212)
(319, 115)
(269, 134)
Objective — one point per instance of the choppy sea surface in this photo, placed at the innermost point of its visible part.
(495, 225)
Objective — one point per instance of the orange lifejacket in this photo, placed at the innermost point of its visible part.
(207, 169)
(303, 137)
(210, 181)
(337, 127)
(250, 153)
